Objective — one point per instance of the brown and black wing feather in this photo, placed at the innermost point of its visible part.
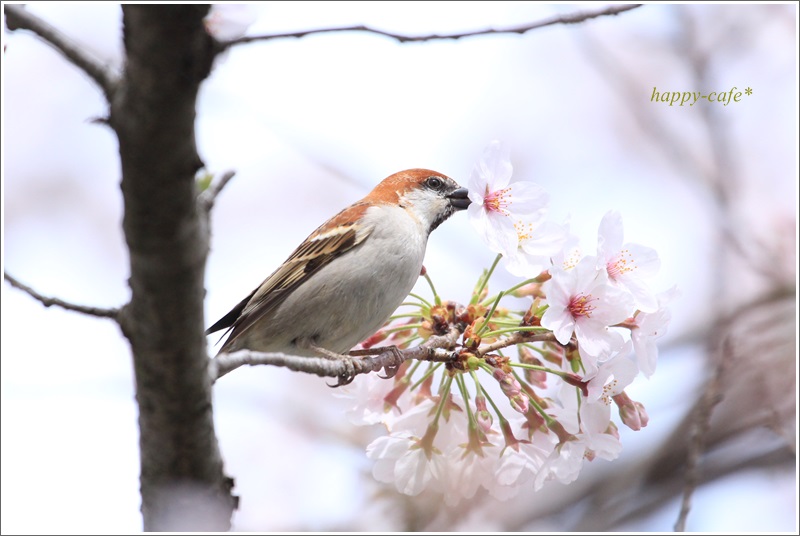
(320, 249)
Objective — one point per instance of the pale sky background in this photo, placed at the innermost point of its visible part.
(312, 124)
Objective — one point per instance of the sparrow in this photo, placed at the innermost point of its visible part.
(347, 278)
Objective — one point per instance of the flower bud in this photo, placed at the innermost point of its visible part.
(473, 362)
(482, 414)
(508, 383)
(531, 289)
(512, 389)
(632, 413)
(554, 353)
(519, 403)
(537, 378)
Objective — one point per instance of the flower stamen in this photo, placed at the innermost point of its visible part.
(581, 305)
(621, 264)
(498, 201)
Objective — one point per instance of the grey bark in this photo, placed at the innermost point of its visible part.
(168, 55)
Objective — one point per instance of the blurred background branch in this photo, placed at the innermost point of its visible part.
(19, 18)
(570, 18)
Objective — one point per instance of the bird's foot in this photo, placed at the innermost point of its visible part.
(349, 373)
(388, 358)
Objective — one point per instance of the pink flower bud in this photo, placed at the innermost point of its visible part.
(512, 389)
(537, 378)
(520, 403)
(508, 383)
(632, 413)
(482, 414)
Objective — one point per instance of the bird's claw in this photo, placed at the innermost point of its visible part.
(390, 371)
(347, 376)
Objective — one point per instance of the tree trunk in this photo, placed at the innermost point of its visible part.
(169, 54)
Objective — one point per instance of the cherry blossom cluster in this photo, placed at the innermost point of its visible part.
(529, 393)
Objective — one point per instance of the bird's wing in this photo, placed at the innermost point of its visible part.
(324, 245)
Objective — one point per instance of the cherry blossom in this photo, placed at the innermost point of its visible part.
(613, 376)
(582, 302)
(627, 265)
(537, 243)
(408, 456)
(648, 328)
(497, 203)
(517, 468)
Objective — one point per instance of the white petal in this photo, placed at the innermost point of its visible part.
(496, 231)
(644, 298)
(609, 236)
(560, 322)
(646, 260)
(547, 239)
(495, 166)
(528, 200)
(412, 472)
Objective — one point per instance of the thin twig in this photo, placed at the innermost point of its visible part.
(47, 302)
(436, 348)
(571, 18)
(208, 197)
(18, 18)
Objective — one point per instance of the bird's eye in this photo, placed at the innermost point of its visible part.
(434, 183)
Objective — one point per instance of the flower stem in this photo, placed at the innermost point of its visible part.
(425, 376)
(445, 391)
(425, 302)
(515, 329)
(494, 406)
(402, 328)
(405, 315)
(485, 279)
(536, 349)
(547, 418)
(437, 300)
(559, 373)
(465, 395)
(519, 285)
(489, 315)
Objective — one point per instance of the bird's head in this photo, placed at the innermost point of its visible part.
(428, 195)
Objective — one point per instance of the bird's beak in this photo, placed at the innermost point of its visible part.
(458, 198)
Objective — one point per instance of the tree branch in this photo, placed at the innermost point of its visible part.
(208, 197)
(436, 348)
(47, 302)
(18, 18)
(700, 424)
(571, 18)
